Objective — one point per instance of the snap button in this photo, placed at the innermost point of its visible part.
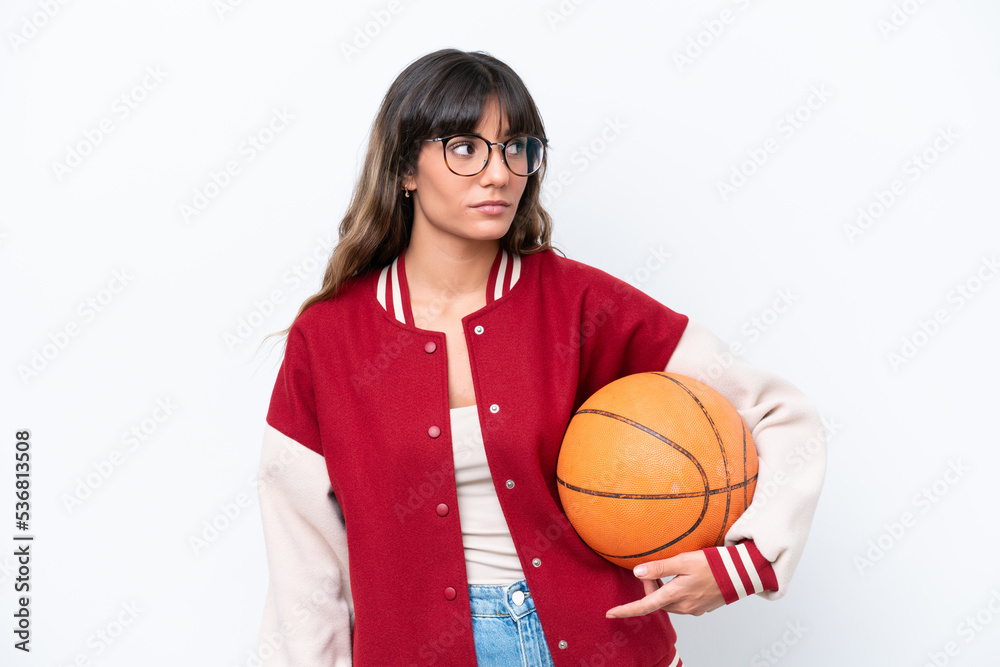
(494, 408)
(479, 329)
(537, 562)
(562, 643)
(442, 510)
(449, 593)
(517, 597)
(430, 346)
(434, 431)
(510, 484)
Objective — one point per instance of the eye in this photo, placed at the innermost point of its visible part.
(462, 148)
(517, 145)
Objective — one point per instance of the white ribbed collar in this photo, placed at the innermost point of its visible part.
(394, 296)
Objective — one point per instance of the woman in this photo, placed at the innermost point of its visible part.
(432, 378)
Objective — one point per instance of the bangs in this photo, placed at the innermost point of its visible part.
(454, 102)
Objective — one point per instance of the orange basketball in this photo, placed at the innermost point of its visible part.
(655, 464)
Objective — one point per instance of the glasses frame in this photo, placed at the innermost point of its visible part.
(489, 147)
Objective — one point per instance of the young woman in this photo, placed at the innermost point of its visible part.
(407, 479)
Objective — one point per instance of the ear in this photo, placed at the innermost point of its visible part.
(409, 182)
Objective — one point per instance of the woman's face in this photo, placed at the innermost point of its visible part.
(449, 204)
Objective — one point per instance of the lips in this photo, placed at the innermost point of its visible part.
(491, 206)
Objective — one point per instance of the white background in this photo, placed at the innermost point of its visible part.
(869, 590)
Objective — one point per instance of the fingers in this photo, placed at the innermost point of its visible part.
(650, 585)
(673, 599)
(656, 596)
(653, 601)
(668, 567)
(691, 590)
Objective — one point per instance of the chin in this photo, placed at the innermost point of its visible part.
(493, 223)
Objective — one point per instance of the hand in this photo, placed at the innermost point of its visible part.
(692, 590)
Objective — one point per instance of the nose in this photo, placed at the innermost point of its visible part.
(496, 172)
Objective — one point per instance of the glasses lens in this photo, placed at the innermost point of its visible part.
(466, 155)
(524, 154)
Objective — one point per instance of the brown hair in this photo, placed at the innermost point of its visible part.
(441, 93)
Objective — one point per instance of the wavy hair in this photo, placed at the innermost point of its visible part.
(441, 93)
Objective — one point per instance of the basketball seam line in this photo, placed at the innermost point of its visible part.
(718, 439)
(656, 496)
(668, 441)
(705, 493)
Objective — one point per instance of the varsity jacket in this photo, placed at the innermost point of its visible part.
(357, 485)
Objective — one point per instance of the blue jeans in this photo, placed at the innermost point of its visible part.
(505, 627)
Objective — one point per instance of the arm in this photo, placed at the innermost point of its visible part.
(763, 547)
(791, 451)
(308, 615)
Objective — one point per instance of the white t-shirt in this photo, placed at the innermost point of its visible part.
(490, 556)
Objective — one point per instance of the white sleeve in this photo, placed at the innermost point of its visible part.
(790, 442)
(309, 613)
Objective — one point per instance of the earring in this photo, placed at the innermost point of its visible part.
(406, 193)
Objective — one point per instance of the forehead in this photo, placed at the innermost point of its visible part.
(492, 124)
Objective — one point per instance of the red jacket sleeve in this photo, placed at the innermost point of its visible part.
(740, 570)
(622, 331)
(292, 409)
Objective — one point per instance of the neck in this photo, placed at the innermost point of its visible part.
(456, 268)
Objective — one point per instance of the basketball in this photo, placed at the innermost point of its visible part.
(653, 465)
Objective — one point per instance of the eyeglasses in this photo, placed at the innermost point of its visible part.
(468, 154)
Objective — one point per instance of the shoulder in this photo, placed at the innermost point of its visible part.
(603, 295)
(578, 276)
(317, 318)
(552, 264)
